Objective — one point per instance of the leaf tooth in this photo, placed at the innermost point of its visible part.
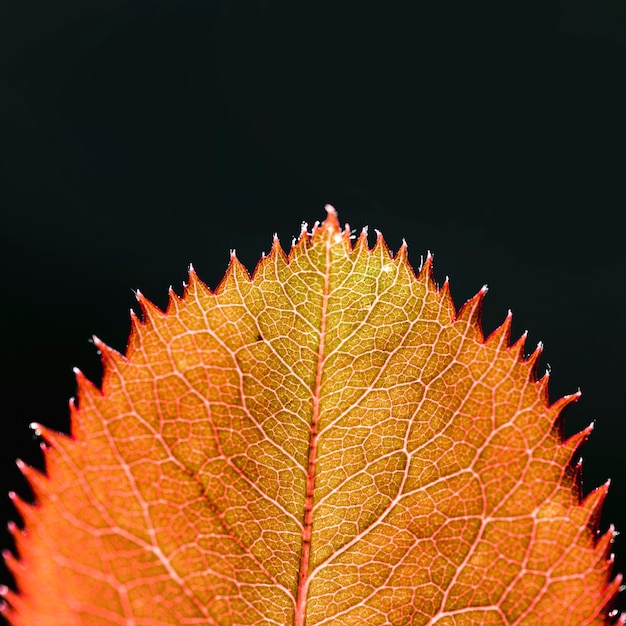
(603, 550)
(592, 506)
(361, 245)
(14, 599)
(11, 561)
(113, 365)
(149, 310)
(25, 509)
(444, 290)
(447, 304)
(470, 313)
(236, 273)
(304, 229)
(53, 438)
(517, 347)
(502, 334)
(573, 444)
(532, 361)
(38, 482)
(304, 241)
(86, 390)
(381, 248)
(194, 288)
(8, 598)
(402, 253)
(277, 254)
(111, 358)
(425, 273)
(77, 432)
(610, 593)
(173, 302)
(134, 339)
(577, 479)
(330, 225)
(557, 407)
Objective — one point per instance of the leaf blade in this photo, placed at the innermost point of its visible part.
(327, 442)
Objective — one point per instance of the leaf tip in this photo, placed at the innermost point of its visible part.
(331, 212)
(331, 229)
(331, 223)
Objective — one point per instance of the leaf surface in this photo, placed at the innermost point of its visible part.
(327, 443)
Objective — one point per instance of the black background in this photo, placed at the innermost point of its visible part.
(136, 137)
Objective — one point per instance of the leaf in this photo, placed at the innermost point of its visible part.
(329, 442)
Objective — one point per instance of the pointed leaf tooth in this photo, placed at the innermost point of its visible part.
(54, 438)
(532, 362)
(173, 302)
(444, 290)
(592, 506)
(192, 281)
(330, 232)
(331, 223)
(502, 334)
(361, 244)
(195, 289)
(76, 430)
(470, 315)
(609, 597)
(304, 226)
(25, 509)
(604, 561)
(14, 609)
(447, 304)
(425, 274)
(87, 392)
(14, 566)
(110, 357)
(573, 444)
(577, 479)
(276, 242)
(150, 311)
(402, 256)
(540, 383)
(517, 347)
(382, 250)
(236, 274)
(278, 254)
(557, 407)
(37, 481)
(134, 338)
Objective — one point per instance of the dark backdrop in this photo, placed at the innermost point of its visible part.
(136, 137)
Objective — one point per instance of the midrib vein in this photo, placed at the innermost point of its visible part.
(303, 582)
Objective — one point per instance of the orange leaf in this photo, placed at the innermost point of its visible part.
(329, 442)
